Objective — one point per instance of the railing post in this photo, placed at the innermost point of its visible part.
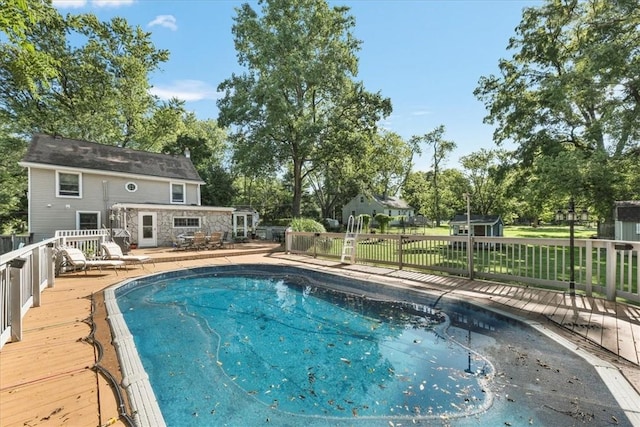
(588, 278)
(400, 260)
(470, 243)
(51, 266)
(288, 240)
(315, 244)
(15, 276)
(35, 276)
(611, 271)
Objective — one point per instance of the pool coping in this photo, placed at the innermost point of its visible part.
(146, 411)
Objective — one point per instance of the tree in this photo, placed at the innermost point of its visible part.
(30, 65)
(298, 103)
(99, 91)
(452, 184)
(387, 162)
(14, 183)
(481, 168)
(572, 86)
(441, 149)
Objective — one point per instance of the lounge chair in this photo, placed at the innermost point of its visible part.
(215, 240)
(76, 258)
(112, 251)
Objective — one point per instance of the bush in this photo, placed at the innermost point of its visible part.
(307, 225)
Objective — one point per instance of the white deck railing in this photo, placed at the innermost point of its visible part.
(606, 267)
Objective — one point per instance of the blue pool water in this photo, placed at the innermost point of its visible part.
(274, 346)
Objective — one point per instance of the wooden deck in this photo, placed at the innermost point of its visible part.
(49, 378)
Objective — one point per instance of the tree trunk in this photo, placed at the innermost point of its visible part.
(297, 188)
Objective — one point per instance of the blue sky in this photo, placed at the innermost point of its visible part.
(425, 55)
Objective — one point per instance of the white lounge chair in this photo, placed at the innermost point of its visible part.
(76, 258)
(112, 251)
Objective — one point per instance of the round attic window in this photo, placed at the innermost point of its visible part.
(131, 186)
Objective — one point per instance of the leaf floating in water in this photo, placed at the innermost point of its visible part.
(354, 412)
(219, 363)
(347, 361)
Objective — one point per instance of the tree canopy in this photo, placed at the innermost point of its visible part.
(572, 86)
(298, 103)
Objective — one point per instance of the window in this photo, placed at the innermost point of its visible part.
(361, 199)
(180, 222)
(131, 187)
(69, 184)
(177, 193)
(637, 228)
(88, 220)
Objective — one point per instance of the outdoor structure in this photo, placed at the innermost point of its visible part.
(245, 222)
(81, 185)
(481, 226)
(373, 205)
(627, 221)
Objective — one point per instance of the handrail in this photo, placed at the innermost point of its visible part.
(606, 267)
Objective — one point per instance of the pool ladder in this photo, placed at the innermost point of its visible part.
(354, 226)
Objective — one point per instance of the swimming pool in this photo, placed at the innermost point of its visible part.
(257, 344)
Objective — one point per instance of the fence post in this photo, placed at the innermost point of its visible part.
(51, 266)
(288, 240)
(400, 252)
(611, 270)
(470, 244)
(588, 278)
(35, 276)
(15, 276)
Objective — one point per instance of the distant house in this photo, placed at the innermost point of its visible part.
(75, 185)
(373, 205)
(627, 221)
(481, 225)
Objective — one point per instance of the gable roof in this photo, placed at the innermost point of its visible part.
(78, 154)
(392, 202)
(476, 219)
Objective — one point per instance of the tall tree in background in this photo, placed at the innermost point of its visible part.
(99, 91)
(573, 86)
(30, 66)
(441, 148)
(481, 168)
(387, 161)
(298, 104)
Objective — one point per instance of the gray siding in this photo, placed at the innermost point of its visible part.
(627, 231)
(48, 212)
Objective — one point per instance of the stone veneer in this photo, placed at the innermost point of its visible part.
(210, 221)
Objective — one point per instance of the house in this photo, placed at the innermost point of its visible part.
(627, 220)
(481, 225)
(75, 184)
(373, 205)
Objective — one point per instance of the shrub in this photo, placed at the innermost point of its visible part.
(307, 225)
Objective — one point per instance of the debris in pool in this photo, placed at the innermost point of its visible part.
(347, 361)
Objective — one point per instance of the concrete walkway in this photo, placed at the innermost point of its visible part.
(49, 378)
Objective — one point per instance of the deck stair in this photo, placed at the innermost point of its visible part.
(354, 227)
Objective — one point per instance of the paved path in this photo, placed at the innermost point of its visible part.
(47, 378)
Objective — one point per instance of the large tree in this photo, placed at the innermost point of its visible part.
(440, 149)
(99, 90)
(572, 86)
(298, 104)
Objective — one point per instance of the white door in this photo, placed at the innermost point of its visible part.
(147, 236)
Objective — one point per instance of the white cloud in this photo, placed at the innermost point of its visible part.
(76, 4)
(64, 4)
(111, 3)
(167, 21)
(421, 113)
(186, 90)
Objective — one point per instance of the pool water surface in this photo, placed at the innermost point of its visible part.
(258, 346)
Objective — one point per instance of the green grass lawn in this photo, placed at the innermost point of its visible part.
(546, 231)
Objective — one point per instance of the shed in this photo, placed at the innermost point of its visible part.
(627, 220)
(481, 225)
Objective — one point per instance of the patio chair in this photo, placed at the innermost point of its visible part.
(199, 241)
(112, 251)
(226, 241)
(180, 244)
(215, 240)
(76, 258)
